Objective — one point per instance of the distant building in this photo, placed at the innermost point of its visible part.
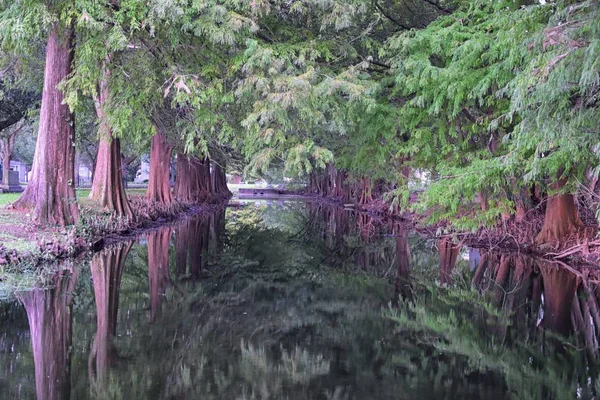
(84, 175)
(143, 174)
(18, 166)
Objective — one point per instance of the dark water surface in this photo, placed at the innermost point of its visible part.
(300, 301)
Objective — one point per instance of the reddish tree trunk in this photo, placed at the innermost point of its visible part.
(193, 181)
(158, 268)
(51, 191)
(50, 324)
(561, 218)
(159, 189)
(107, 268)
(219, 181)
(107, 187)
(448, 255)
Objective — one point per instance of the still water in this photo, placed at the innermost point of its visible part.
(300, 301)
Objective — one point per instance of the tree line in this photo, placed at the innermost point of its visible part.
(489, 103)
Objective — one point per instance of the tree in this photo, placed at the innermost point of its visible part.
(51, 192)
(159, 187)
(15, 103)
(107, 186)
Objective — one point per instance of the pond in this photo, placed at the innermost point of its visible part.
(296, 300)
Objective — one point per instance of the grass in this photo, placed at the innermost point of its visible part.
(6, 198)
(21, 245)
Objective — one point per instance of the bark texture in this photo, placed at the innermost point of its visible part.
(159, 189)
(561, 218)
(219, 181)
(6, 147)
(193, 181)
(51, 193)
(107, 188)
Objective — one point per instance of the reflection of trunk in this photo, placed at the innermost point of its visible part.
(107, 187)
(559, 290)
(159, 189)
(50, 324)
(158, 268)
(193, 181)
(191, 247)
(502, 278)
(519, 289)
(403, 263)
(584, 322)
(480, 271)
(107, 268)
(198, 247)
(51, 191)
(219, 181)
(182, 238)
(448, 255)
(561, 217)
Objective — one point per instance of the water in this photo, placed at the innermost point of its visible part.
(300, 301)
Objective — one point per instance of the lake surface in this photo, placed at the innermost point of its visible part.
(300, 301)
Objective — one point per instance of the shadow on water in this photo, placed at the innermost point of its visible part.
(301, 301)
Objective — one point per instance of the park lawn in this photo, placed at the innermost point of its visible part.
(8, 198)
(17, 232)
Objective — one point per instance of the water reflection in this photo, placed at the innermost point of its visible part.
(107, 268)
(49, 315)
(158, 268)
(306, 301)
(448, 254)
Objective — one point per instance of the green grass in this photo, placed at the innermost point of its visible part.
(6, 198)
(18, 244)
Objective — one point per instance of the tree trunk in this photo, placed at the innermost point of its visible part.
(6, 152)
(219, 181)
(193, 181)
(51, 192)
(561, 218)
(159, 189)
(107, 187)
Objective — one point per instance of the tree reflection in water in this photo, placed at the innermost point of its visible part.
(50, 318)
(158, 268)
(287, 302)
(107, 268)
